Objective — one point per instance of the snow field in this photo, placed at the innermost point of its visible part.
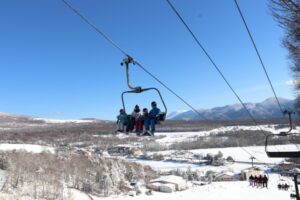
(216, 191)
(33, 148)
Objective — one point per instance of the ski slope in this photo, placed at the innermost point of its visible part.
(216, 191)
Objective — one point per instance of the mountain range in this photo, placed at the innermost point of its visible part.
(267, 109)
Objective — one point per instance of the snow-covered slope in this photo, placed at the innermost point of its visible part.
(172, 137)
(236, 190)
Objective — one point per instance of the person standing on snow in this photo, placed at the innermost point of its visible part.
(260, 181)
(251, 180)
(265, 181)
(255, 180)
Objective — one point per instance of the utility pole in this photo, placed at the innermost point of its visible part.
(296, 186)
(295, 172)
(252, 158)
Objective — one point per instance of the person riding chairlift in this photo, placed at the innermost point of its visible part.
(137, 117)
(151, 120)
(132, 119)
(122, 120)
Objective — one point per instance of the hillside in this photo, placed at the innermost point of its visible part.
(268, 109)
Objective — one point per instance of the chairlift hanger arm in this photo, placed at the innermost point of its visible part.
(289, 112)
(127, 61)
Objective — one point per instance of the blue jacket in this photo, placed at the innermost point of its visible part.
(123, 118)
(154, 112)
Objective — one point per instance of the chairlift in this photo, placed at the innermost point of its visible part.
(282, 135)
(137, 90)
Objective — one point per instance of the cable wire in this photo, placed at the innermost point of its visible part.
(212, 61)
(95, 28)
(283, 111)
(170, 90)
(259, 57)
(258, 54)
(215, 66)
(153, 76)
(127, 55)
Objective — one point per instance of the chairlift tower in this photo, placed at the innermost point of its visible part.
(295, 172)
(252, 158)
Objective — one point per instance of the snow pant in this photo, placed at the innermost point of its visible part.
(121, 126)
(150, 123)
(138, 127)
(130, 125)
(251, 183)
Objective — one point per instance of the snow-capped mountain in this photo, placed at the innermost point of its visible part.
(14, 118)
(263, 110)
(176, 113)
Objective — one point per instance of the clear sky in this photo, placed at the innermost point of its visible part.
(54, 65)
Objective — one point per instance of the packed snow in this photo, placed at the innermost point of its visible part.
(236, 190)
(33, 148)
(172, 137)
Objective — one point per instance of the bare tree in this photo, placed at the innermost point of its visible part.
(287, 13)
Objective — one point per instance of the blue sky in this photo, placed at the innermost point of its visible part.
(54, 65)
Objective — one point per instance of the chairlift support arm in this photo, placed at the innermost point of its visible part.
(127, 61)
(289, 113)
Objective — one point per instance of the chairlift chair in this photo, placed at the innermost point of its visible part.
(137, 90)
(282, 154)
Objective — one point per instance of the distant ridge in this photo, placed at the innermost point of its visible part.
(15, 118)
(268, 109)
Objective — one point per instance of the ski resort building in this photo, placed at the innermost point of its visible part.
(254, 171)
(168, 184)
(225, 176)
